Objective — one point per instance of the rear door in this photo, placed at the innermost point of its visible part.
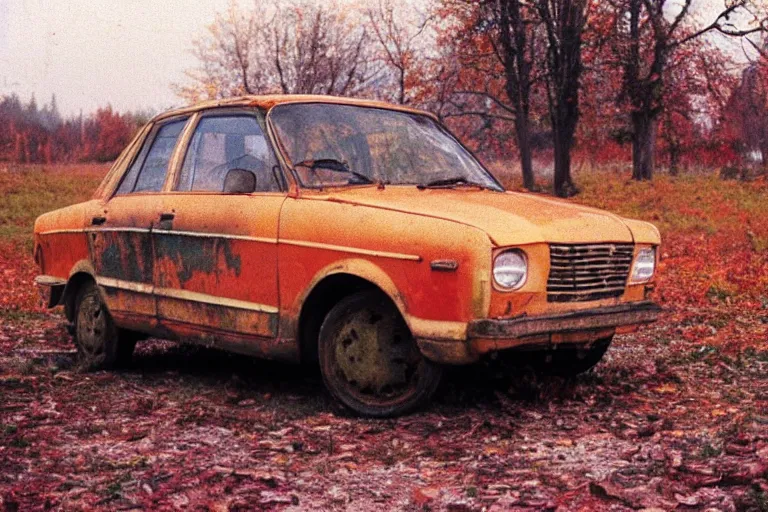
(119, 235)
(216, 253)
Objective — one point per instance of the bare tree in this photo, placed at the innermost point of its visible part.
(515, 34)
(302, 48)
(493, 43)
(652, 31)
(564, 22)
(227, 55)
(398, 42)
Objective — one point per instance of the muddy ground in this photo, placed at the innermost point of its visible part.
(662, 423)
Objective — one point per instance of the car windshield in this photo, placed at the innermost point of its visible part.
(337, 145)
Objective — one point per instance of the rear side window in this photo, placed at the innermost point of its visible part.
(223, 143)
(147, 173)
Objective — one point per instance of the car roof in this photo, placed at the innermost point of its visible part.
(266, 102)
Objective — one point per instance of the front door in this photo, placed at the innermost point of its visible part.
(119, 234)
(216, 253)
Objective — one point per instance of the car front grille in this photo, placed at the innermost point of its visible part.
(585, 272)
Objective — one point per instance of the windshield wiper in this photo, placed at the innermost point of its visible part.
(334, 165)
(448, 182)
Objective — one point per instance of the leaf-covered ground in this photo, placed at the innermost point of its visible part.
(676, 416)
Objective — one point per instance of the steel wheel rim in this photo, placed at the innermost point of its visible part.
(374, 358)
(91, 326)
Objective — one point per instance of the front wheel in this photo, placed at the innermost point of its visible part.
(369, 359)
(100, 344)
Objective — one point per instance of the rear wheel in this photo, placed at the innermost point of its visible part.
(369, 359)
(569, 361)
(100, 344)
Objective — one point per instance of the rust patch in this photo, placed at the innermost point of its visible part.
(232, 261)
(446, 351)
(288, 325)
(242, 343)
(123, 255)
(217, 318)
(585, 320)
(190, 255)
(109, 260)
(444, 265)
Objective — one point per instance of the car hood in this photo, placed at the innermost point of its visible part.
(509, 218)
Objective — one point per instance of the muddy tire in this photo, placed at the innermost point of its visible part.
(369, 360)
(569, 361)
(100, 344)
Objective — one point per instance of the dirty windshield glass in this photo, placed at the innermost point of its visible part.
(336, 145)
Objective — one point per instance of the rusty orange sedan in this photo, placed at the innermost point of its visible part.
(356, 235)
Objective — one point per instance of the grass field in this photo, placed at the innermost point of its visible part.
(26, 192)
(675, 417)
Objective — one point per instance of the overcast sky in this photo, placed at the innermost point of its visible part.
(126, 53)
(93, 52)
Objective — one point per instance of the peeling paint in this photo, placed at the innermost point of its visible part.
(123, 255)
(190, 255)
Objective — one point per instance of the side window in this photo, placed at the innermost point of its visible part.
(223, 143)
(147, 173)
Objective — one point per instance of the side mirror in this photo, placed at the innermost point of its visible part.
(239, 181)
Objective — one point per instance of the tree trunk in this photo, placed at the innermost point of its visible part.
(564, 21)
(522, 131)
(514, 42)
(401, 94)
(563, 184)
(674, 159)
(643, 146)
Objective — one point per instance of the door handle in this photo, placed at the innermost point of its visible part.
(98, 221)
(166, 220)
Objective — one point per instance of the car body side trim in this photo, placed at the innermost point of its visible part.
(200, 234)
(131, 286)
(175, 293)
(298, 243)
(116, 230)
(353, 250)
(60, 231)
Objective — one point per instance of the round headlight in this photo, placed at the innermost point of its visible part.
(510, 269)
(645, 264)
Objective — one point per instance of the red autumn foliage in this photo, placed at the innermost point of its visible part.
(685, 100)
(29, 134)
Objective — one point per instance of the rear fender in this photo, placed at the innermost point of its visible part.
(81, 271)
